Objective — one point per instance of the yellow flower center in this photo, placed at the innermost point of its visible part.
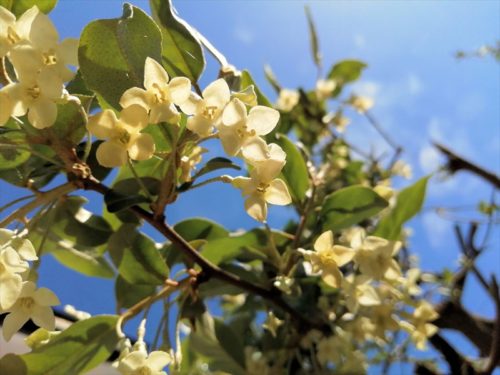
(33, 92)
(26, 303)
(327, 258)
(243, 132)
(261, 188)
(12, 36)
(160, 95)
(123, 136)
(210, 112)
(49, 58)
(144, 370)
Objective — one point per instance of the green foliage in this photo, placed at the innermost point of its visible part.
(350, 206)
(79, 348)
(409, 203)
(128, 294)
(247, 80)
(295, 170)
(112, 53)
(346, 71)
(313, 38)
(136, 257)
(10, 155)
(182, 54)
(18, 7)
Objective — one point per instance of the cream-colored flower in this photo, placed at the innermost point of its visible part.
(161, 94)
(374, 257)
(138, 363)
(44, 51)
(384, 191)
(263, 187)
(358, 292)
(36, 95)
(11, 265)
(324, 88)
(287, 100)
(189, 163)
(328, 258)
(420, 329)
(400, 168)
(360, 103)
(272, 323)
(6, 107)
(239, 131)
(32, 304)
(13, 32)
(23, 246)
(333, 348)
(410, 282)
(207, 110)
(383, 319)
(123, 134)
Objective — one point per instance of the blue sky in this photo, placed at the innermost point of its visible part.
(421, 92)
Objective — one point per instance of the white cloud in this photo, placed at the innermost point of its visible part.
(243, 34)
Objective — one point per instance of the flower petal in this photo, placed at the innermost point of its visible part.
(263, 119)
(142, 148)
(43, 34)
(217, 93)
(6, 107)
(234, 113)
(134, 118)
(51, 85)
(45, 297)
(230, 140)
(111, 154)
(24, 248)
(256, 207)
(254, 150)
(43, 316)
(324, 242)
(102, 125)
(42, 113)
(246, 185)
(67, 50)
(13, 323)
(154, 74)
(164, 112)
(332, 276)
(157, 360)
(342, 255)
(10, 289)
(180, 89)
(190, 106)
(135, 96)
(132, 361)
(369, 296)
(277, 193)
(27, 61)
(200, 125)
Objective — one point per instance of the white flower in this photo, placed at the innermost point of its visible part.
(327, 258)
(13, 32)
(139, 363)
(324, 88)
(11, 265)
(36, 94)
(262, 186)
(240, 131)
(6, 106)
(400, 168)
(206, 110)
(287, 100)
(374, 257)
(23, 247)
(360, 103)
(123, 134)
(272, 323)
(32, 304)
(358, 292)
(161, 95)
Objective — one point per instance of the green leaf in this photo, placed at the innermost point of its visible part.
(128, 294)
(346, 71)
(18, 7)
(222, 347)
(271, 78)
(349, 206)
(313, 38)
(408, 204)
(247, 80)
(136, 257)
(182, 54)
(76, 350)
(295, 169)
(116, 201)
(215, 164)
(70, 123)
(112, 53)
(10, 155)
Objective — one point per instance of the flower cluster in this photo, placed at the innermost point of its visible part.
(19, 296)
(41, 64)
(240, 125)
(375, 293)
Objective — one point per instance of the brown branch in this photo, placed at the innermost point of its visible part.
(494, 359)
(209, 269)
(457, 163)
(457, 363)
